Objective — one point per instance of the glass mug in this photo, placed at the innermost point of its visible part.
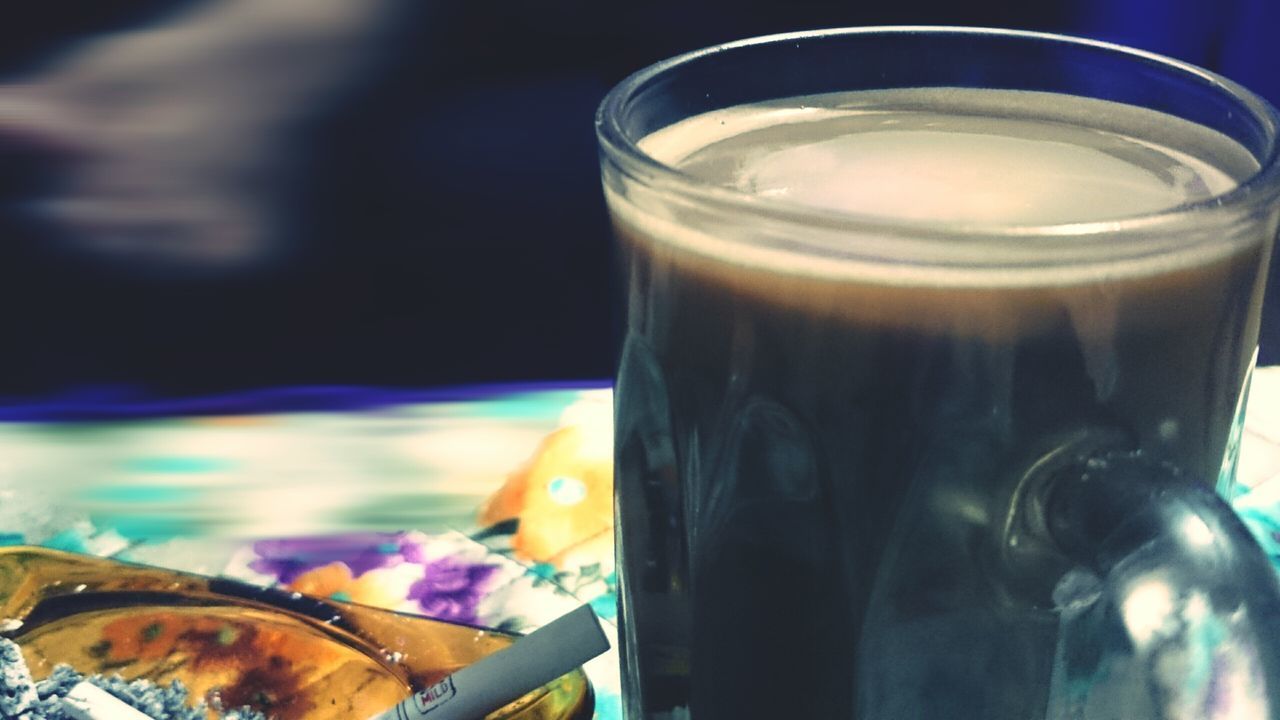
(937, 347)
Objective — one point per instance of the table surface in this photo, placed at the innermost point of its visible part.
(402, 500)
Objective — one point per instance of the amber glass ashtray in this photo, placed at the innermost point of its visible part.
(287, 655)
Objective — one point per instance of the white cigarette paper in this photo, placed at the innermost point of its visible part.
(89, 702)
(495, 680)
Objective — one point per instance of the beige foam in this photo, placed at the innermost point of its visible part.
(838, 267)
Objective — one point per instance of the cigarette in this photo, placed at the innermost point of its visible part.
(497, 679)
(88, 702)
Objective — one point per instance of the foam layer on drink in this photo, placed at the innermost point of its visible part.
(909, 159)
(934, 160)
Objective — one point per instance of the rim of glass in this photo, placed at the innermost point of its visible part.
(1252, 194)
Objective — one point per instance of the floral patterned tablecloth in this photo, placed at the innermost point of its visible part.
(486, 506)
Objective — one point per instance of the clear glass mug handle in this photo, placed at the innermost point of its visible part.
(1168, 608)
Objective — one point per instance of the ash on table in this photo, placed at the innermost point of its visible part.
(22, 698)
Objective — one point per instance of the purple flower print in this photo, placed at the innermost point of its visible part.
(446, 578)
(451, 590)
(360, 552)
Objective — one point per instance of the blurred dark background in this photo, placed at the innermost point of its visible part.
(450, 227)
